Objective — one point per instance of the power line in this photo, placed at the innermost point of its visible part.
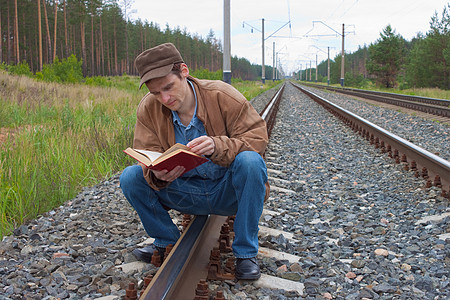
(349, 9)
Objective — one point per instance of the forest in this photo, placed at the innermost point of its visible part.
(101, 36)
(393, 62)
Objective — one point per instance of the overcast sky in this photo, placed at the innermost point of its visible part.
(313, 25)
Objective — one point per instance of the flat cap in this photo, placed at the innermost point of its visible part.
(157, 62)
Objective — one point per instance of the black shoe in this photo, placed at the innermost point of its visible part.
(247, 269)
(145, 254)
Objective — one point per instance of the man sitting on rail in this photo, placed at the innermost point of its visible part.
(214, 120)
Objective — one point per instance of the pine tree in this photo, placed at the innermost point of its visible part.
(385, 57)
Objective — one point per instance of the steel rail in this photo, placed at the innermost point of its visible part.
(425, 163)
(188, 261)
(439, 107)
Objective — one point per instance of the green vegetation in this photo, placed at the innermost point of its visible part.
(422, 92)
(385, 57)
(56, 138)
(251, 89)
(104, 39)
(393, 62)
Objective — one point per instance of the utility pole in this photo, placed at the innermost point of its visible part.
(226, 42)
(328, 80)
(310, 70)
(343, 51)
(263, 73)
(273, 68)
(316, 67)
(342, 58)
(306, 72)
(301, 67)
(328, 73)
(276, 67)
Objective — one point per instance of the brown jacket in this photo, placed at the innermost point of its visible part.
(227, 116)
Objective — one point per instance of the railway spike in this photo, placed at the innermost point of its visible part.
(437, 181)
(429, 184)
(224, 239)
(219, 296)
(215, 271)
(445, 194)
(230, 221)
(230, 265)
(382, 147)
(168, 249)
(414, 165)
(131, 292)
(389, 150)
(156, 259)
(404, 159)
(377, 143)
(186, 221)
(395, 153)
(202, 291)
(147, 281)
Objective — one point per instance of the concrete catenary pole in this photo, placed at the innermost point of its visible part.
(300, 78)
(342, 58)
(226, 42)
(273, 68)
(310, 70)
(328, 71)
(316, 67)
(263, 73)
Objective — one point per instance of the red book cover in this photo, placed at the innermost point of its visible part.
(179, 158)
(177, 155)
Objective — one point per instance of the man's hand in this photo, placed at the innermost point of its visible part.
(169, 176)
(203, 145)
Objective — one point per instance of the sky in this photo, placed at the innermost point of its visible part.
(300, 29)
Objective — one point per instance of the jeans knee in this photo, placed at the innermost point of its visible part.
(249, 161)
(129, 176)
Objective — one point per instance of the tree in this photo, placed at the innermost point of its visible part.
(429, 60)
(16, 33)
(386, 57)
(39, 34)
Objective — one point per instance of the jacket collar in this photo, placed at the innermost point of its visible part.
(201, 110)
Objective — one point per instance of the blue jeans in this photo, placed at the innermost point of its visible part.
(239, 192)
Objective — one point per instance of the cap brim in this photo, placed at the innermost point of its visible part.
(155, 73)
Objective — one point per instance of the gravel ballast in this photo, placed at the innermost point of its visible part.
(362, 226)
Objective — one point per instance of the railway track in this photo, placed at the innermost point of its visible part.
(185, 270)
(425, 164)
(189, 261)
(343, 221)
(431, 106)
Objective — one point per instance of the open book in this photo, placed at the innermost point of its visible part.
(177, 155)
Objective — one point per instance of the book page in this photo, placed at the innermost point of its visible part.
(152, 155)
(176, 147)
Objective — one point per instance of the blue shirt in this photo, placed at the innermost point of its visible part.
(185, 134)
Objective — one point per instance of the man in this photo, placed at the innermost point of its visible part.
(214, 120)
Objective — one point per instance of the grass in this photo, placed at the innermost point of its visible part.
(254, 88)
(426, 92)
(57, 138)
(422, 92)
(60, 138)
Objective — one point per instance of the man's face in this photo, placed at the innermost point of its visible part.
(170, 90)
